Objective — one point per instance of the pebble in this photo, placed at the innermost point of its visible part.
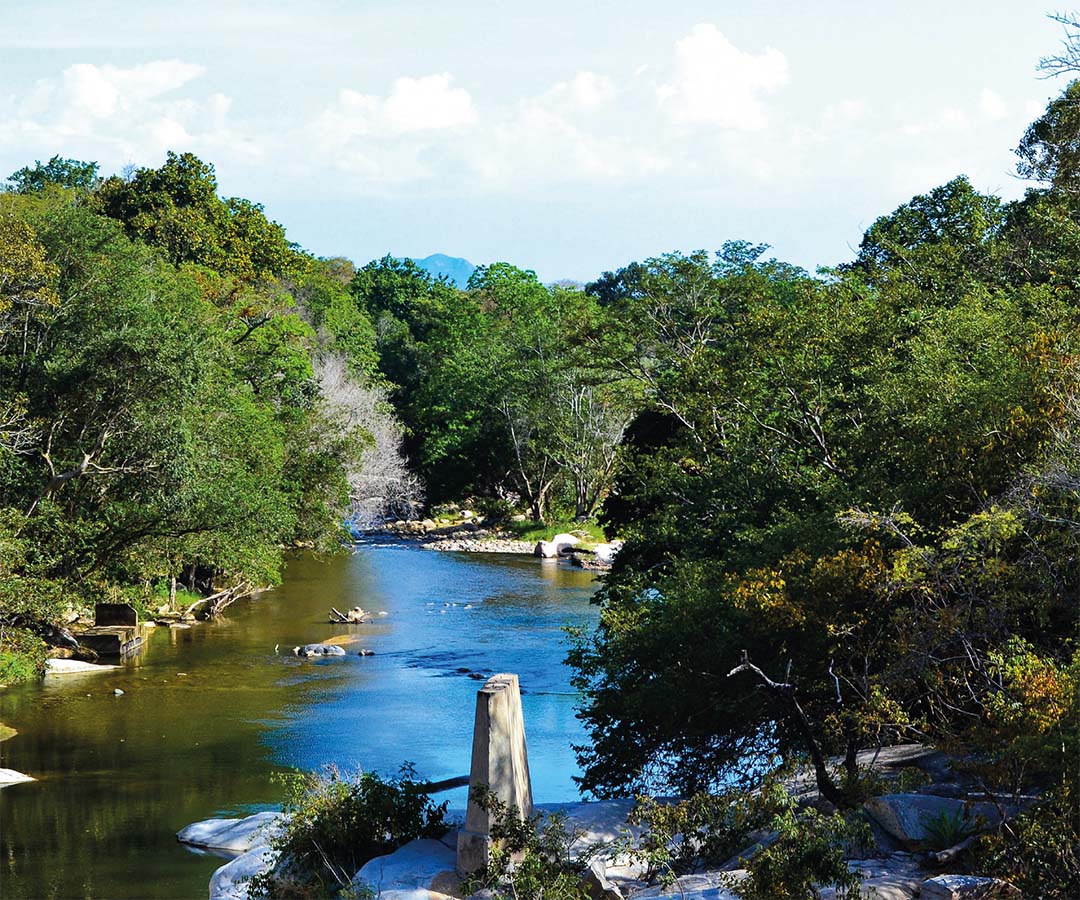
(118, 692)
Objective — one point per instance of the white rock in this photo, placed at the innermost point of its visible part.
(10, 776)
(908, 817)
(231, 835)
(564, 542)
(230, 882)
(421, 866)
(966, 887)
(73, 666)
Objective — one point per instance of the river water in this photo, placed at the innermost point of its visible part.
(209, 713)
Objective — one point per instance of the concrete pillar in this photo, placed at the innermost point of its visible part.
(499, 760)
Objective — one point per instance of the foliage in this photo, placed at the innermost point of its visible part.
(22, 655)
(531, 858)
(810, 852)
(703, 831)
(337, 822)
(1039, 851)
(160, 414)
(57, 172)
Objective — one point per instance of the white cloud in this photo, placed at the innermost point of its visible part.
(715, 83)
(992, 105)
(102, 91)
(586, 92)
(845, 111)
(422, 104)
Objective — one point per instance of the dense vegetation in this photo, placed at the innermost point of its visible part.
(165, 410)
(850, 499)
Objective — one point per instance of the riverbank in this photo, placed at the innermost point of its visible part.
(582, 543)
(899, 862)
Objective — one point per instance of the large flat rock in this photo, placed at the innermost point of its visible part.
(234, 836)
(911, 818)
(414, 871)
(230, 882)
(73, 667)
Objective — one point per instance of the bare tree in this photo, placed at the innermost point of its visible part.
(585, 439)
(1068, 60)
(380, 483)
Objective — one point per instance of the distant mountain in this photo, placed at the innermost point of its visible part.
(455, 268)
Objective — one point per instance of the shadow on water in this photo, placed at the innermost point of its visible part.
(208, 713)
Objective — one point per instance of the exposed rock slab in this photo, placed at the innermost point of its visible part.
(234, 836)
(414, 871)
(74, 667)
(910, 818)
(967, 887)
(231, 881)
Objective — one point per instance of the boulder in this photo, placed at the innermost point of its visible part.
(319, 650)
(564, 542)
(235, 836)
(597, 883)
(420, 867)
(557, 546)
(912, 818)
(967, 887)
(232, 880)
(605, 553)
(73, 667)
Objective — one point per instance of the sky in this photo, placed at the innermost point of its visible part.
(565, 137)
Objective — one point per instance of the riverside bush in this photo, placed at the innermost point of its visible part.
(22, 656)
(530, 857)
(337, 822)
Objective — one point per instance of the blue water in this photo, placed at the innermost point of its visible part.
(412, 701)
(209, 714)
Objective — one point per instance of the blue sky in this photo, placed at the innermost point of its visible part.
(567, 137)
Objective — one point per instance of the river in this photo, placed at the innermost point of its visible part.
(209, 713)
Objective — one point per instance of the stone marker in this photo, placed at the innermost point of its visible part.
(499, 760)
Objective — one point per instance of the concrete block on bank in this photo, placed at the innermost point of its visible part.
(500, 761)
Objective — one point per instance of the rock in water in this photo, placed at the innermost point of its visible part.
(318, 650)
(10, 776)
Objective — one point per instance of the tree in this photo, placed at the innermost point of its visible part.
(778, 403)
(66, 173)
(177, 209)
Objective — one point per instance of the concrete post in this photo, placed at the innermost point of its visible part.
(499, 760)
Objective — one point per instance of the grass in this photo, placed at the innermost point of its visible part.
(589, 532)
(184, 597)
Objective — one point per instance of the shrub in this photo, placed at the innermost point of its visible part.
(336, 823)
(810, 852)
(530, 858)
(1038, 852)
(22, 655)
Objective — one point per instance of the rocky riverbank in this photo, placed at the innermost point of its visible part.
(899, 866)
